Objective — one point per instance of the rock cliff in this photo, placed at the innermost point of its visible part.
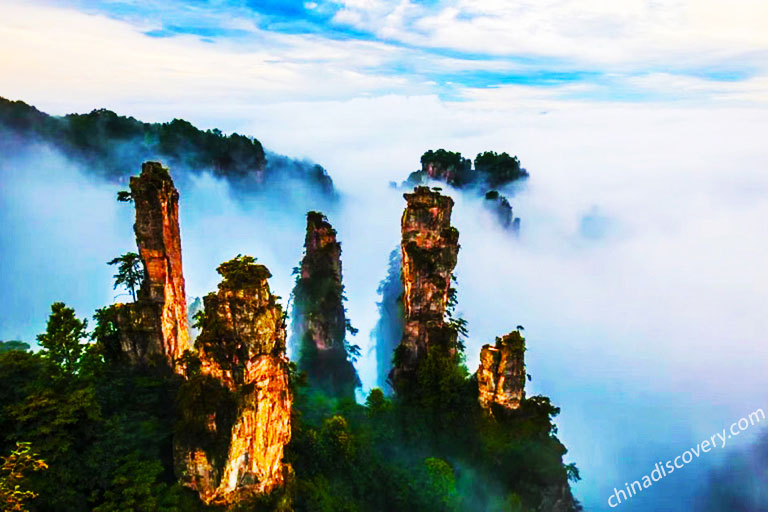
(155, 326)
(429, 249)
(501, 375)
(319, 317)
(235, 407)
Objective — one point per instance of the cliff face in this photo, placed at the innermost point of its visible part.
(501, 375)
(429, 249)
(236, 406)
(155, 326)
(319, 318)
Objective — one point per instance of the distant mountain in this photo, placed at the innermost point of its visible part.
(114, 146)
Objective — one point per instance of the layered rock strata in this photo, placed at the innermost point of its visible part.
(501, 374)
(236, 406)
(429, 251)
(155, 326)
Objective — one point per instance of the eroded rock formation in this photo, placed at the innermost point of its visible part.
(155, 326)
(319, 318)
(429, 249)
(235, 407)
(500, 207)
(501, 375)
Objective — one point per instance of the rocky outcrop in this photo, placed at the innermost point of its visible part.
(499, 206)
(429, 249)
(319, 317)
(441, 165)
(236, 404)
(501, 375)
(155, 326)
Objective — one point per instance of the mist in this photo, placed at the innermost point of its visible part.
(638, 274)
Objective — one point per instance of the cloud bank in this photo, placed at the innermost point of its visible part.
(649, 332)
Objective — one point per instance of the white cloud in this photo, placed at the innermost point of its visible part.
(662, 320)
(92, 59)
(594, 32)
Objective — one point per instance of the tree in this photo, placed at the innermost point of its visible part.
(130, 272)
(62, 341)
(13, 472)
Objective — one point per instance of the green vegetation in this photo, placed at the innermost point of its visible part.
(130, 272)
(14, 471)
(320, 325)
(499, 169)
(105, 428)
(63, 341)
(102, 427)
(433, 449)
(491, 170)
(200, 398)
(430, 446)
(242, 272)
(113, 146)
(217, 338)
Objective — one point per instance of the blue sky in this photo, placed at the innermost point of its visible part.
(651, 112)
(594, 50)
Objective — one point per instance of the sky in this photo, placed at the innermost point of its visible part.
(640, 271)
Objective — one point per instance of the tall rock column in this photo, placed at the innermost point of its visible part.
(156, 324)
(501, 375)
(429, 248)
(235, 407)
(319, 318)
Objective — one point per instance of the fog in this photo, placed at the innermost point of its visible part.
(639, 274)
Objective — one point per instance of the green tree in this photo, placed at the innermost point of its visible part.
(135, 485)
(14, 470)
(62, 341)
(130, 272)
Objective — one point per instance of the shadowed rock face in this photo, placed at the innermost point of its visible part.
(319, 318)
(429, 248)
(323, 256)
(501, 375)
(236, 407)
(155, 327)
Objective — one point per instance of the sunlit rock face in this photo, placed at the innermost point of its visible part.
(319, 318)
(155, 327)
(429, 249)
(501, 375)
(236, 405)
